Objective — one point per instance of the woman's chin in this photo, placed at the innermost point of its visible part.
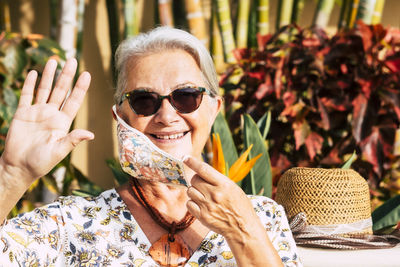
(178, 154)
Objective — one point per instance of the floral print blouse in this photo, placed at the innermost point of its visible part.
(100, 231)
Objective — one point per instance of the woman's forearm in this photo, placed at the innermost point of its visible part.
(252, 247)
(13, 185)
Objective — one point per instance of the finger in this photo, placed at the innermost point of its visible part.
(75, 137)
(75, 100)
(206, 172)
(193, 208)
(195, 195)
(27, 90)
(202, 185)
(64, 83)
(46, 81)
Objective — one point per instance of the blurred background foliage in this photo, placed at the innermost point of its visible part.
(316, 95)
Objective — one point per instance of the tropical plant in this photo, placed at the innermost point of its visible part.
(386, 217)
(328, 97)
(259, 179)
(239, 169)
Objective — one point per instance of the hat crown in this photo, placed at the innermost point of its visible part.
(326, 196)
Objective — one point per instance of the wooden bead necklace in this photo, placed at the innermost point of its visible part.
(170, 249)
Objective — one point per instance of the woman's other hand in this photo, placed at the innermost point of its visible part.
(39, 135)
(222, 206)
(217, 201)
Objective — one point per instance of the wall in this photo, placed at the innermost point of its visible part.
(32, 16)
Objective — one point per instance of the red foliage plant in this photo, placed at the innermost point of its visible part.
(328, 96)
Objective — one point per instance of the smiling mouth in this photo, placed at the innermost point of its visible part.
(170, 136)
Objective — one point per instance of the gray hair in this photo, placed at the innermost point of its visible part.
(158, 40)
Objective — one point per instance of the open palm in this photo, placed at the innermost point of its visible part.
(39, 135)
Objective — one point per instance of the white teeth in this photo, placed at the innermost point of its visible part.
(172, 136)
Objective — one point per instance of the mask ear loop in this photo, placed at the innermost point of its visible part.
(113, 115)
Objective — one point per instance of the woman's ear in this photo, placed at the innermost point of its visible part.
(217, 106)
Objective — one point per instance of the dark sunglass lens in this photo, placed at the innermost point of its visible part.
(144, 103)
(186, 100)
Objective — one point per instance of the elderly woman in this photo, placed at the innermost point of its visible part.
(166, 102)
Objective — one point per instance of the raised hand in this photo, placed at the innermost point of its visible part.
(39, 135)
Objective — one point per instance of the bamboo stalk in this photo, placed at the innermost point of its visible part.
(263, 17)
(139, 14)
(206, 6)
(196, 20)
(252, 28)
(217, 50)
(68, 24)
(365, 10)
(323, 12)
(5, 17)
(353, 13)
(165, 13)
(284, 13)
(179, 14)
(53, 18)
(113, 29)
(79, 34)
(298, 7)
(377, 15)
(129, 18)
(344, 10)
(225, 25)
(2, 24)
(242, 23)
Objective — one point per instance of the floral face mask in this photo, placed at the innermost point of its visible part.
(142, 159)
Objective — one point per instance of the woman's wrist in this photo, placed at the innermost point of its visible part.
(12, 176)
(245, 231)
(13, 184)
(251, 245)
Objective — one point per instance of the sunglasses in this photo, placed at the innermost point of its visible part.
(184, 100)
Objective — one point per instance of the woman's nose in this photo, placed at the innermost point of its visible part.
(166, 114)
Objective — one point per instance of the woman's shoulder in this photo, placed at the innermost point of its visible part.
(263, 201)
(107, 195)
(106, 200)
(266, 207)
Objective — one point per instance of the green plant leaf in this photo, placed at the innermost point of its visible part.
(120, 176)
(11, 99)
(82, 193)
(388, 214)
(52, 47)
(260, 177)
(85, 184)
(14, 59)
(228, 146)
(50, 183)
(348, 163)
(264, 123)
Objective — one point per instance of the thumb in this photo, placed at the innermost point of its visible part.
(71, 140)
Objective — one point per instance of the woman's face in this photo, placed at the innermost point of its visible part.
(176, 133)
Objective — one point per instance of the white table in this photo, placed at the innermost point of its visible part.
(318, 257)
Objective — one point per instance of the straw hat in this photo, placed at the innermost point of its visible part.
(335, 201)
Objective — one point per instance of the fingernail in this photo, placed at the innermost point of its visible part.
(184, 158)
